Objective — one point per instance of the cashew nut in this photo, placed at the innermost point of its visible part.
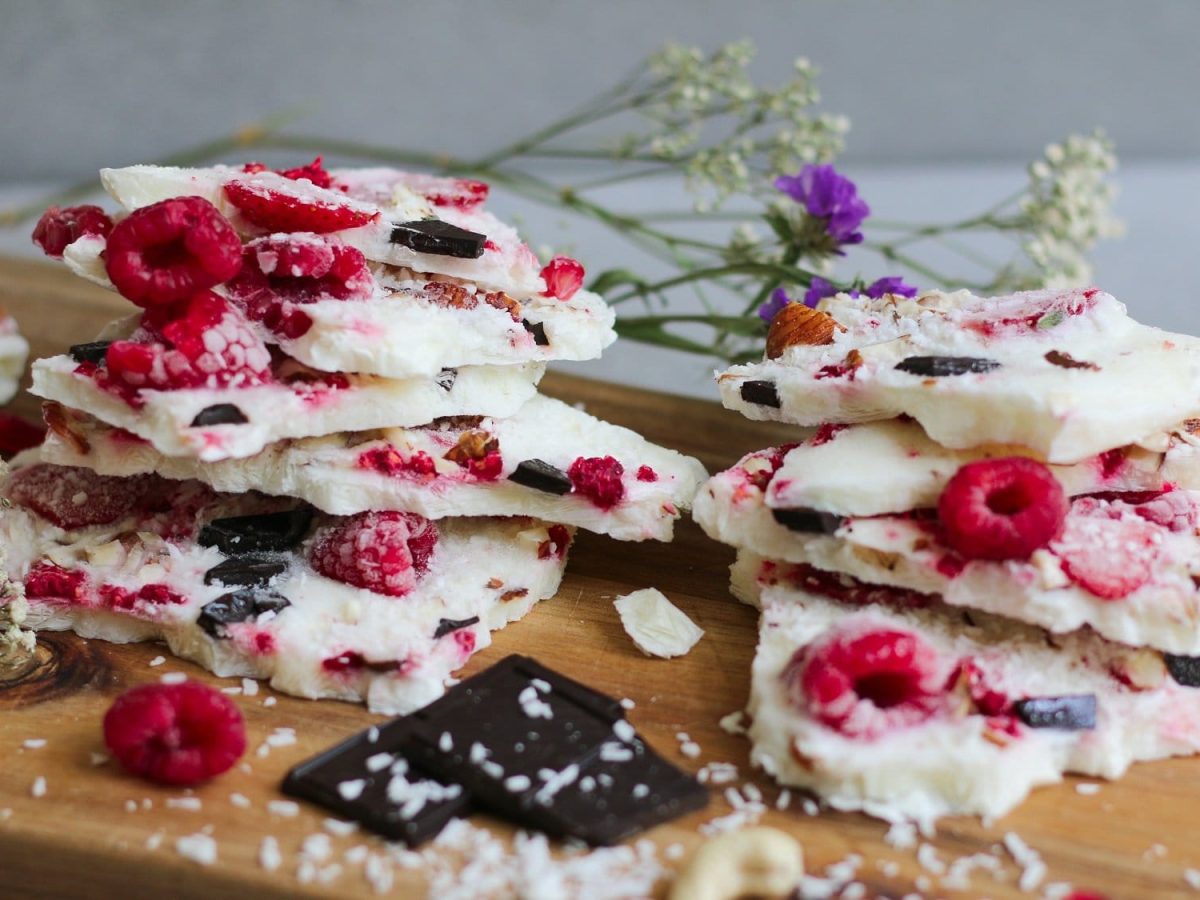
(752, 862)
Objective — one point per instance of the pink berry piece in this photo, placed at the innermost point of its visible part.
(168, 251)
(563, 277)
(276, 206)
(47, 581)
(60, 226)
(385, 552)
(1110, 556)
(1001, 509)
(598, 478)
(72, 497)
(175, 733)
(865, 682)
(17, 434)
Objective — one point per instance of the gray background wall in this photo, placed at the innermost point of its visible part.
(948, 99)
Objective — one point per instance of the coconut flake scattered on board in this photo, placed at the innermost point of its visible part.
(657, 626)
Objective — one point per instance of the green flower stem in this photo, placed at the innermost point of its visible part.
(774, 271)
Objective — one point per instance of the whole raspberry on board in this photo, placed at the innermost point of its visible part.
(385, 552)
(563, 277)
(864, 683)
(166, 252)
(285, 208)
(73, 497)
(60, 226)
(175, 733)
(599, 479)
(1001, 508)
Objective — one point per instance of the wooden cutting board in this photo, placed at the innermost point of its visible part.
(1133, 838)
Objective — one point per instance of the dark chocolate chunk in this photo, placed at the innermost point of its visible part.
(945, 366)
(807, 521)
(538, 330)
(320, 780)
(238, 606)
(220, 414)
(93, 352)
(445, 626)
(247, 570)
(1184, 669)
(762, 393)
(1074, 712)
(259, 533)
(445, 379)
(541, 476)
(547, 752)
(439, 238)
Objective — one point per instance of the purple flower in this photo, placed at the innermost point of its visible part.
(890, 284)
(819, 290)
(773, 304)
(828, 196)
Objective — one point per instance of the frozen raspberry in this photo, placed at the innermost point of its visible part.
(175, 733)
(557, 543)
(563, 277)
(1111, 557)
(278, 208)
(17, 434)
(314, 172)
(59, 227)
(385, 552)
(599, 479)
(1171, 510)
(47, 581)
(169, 250)
(460, 193)
(72, 497)
(209, 344)
(389, 461)
(151, 594)
(1001, 508)
(865, 683)
(645, 473)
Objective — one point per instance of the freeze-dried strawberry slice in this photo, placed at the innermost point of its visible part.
(563, 277)
(73, 497)
(175, 733)
(1111, 557)
(385, 552)
(281, 208)
(59, 227)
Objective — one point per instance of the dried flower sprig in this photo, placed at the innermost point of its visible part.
(702, 120)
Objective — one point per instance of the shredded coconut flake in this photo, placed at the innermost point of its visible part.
(199, 848)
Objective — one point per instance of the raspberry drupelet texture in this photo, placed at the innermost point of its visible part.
(59, 227)
(175, 733)
(168, 251)
(563, 277)
(1107, 550)
(385, 552)
(47, 581)
(866, 682)
(1001, 509)
(599, 479)
(72, 497)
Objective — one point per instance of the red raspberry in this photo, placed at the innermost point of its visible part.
(563, 277)
(1111, 557)
(169, 250)
(460, 193)
(175, 733)
(59, 227)
(1001, 508)
(863, 683)
(645, 473)
(209, 344)
(47, 581)
(389, 461)
(276, 206)
(17, 434)
(314, 172)
(599, 479)
(151, 594)
(385, 552)
(1171, 510)
(557, 543)
(72, 497)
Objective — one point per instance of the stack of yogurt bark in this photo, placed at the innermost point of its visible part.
(978, 568)
(316, 453)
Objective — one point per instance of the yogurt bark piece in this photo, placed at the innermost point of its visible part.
(1065, 373)
(386, 320)
(548, 460)
(13, 352)
(390, 221)
(237, 420)
(892, 466)
(1124, 567)
(378, 608)
(893, 704)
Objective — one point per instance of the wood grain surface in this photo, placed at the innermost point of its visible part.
(1134, 838)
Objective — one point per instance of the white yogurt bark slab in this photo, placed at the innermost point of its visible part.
(1124, 568)
(384, 196)
(14, 350)
(410, 325)
(924, 712)
(143, 577)
(548, 460)
(892, 466)
(298, 403)
(1065, 373)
